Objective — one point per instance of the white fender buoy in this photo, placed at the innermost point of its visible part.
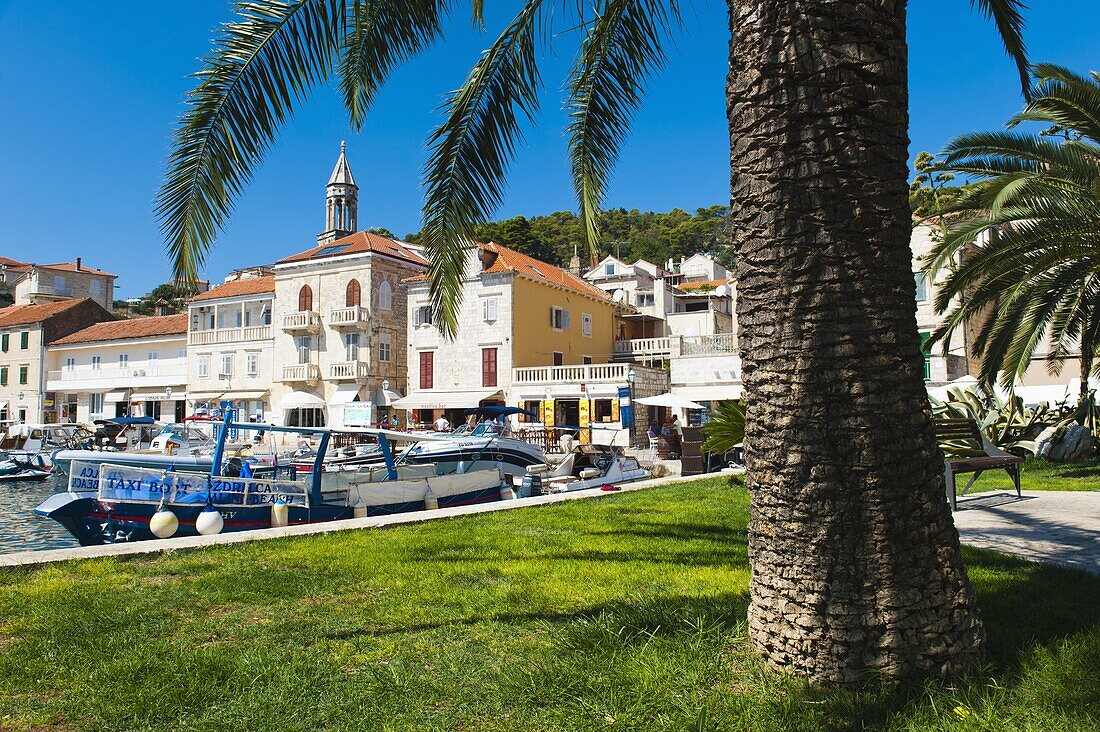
(280, 513)
(164, 523)
(359, 510)
(507, 493)
(209, 522)
(430, 501)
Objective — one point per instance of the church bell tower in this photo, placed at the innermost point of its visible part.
(341, 202)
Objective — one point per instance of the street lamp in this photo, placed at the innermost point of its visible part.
(631, 377)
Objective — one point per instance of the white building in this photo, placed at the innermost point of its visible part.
(121, 368)
(229, 346)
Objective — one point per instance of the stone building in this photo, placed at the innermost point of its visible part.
(36, 284)
(340, 316)
(530, 335)
(25, 333)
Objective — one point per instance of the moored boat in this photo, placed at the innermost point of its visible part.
(109, 503)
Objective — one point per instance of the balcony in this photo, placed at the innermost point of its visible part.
(307, 321)
(302, 372)
(356, 371)
(109, 376)
(644, 349)
(229, 335)
(584, 373)
(355, 316)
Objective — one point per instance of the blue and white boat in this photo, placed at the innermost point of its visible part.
(109, 503)
(484, 447)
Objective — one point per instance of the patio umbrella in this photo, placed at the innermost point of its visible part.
(669, 400)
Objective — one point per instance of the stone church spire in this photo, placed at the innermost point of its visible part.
(341, 201)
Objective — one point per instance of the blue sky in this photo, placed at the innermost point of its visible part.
(89, 93)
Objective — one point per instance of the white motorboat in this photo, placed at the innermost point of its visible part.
(586, 466)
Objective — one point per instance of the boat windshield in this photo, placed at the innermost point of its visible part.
(183, 433)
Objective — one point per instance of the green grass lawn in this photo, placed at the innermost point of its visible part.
(623, 613)
(1040, 475)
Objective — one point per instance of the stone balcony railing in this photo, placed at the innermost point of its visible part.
(306, 320)
(229, 335)
(584, 373)
(302, 372)
(349, 371)
(354, 316)
(675, 347)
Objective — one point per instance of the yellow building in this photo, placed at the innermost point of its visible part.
(531, 335)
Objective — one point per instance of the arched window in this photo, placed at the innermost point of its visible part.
(354, 295)
(385, 295)
(305, 299)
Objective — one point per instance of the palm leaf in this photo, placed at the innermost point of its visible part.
(470, 152)
(623, 47)
(263, 65)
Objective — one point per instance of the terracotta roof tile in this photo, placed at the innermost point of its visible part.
(236, 288)
(9, 262)
(113, 330)
(358, 243)
(71, 267)
(511, 260)
(28, 314)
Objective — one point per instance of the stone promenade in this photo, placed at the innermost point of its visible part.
(1060, 527)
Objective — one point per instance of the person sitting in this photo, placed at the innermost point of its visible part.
(654, 430)
(442, 425)
(385, 423)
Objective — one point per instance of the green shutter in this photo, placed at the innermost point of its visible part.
(4, 343)
(24, 339)
(926, 349)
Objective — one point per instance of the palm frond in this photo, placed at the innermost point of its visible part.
(1008, 16)
(263, 65)
(470, 152)
(622, 49)
(381, 34)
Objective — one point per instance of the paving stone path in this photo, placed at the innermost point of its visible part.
(1059, 527)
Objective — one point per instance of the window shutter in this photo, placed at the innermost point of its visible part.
(565, 320)
(553, 323)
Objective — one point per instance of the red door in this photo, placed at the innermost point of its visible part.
(488, 367)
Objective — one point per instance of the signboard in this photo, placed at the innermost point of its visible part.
(626, 408)
(357, 414)
(120, 483)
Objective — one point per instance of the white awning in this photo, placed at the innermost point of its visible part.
(345, 393)
(3, 404)
(114, 396)
(674, 401)
(385, 397)
(445, 399)
(708, 393)
(301, 400)
(156, 395)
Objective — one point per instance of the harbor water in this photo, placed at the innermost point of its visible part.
(23, 530)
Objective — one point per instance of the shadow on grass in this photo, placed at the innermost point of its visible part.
(650, 616)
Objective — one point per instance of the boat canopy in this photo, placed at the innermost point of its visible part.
(127, 421)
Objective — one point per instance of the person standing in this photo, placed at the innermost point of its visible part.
(442, 425)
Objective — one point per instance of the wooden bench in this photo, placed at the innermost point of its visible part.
(966, 430)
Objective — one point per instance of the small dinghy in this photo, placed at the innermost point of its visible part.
(22, 467)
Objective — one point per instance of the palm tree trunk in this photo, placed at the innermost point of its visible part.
(1088, 348)
(855, 558)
